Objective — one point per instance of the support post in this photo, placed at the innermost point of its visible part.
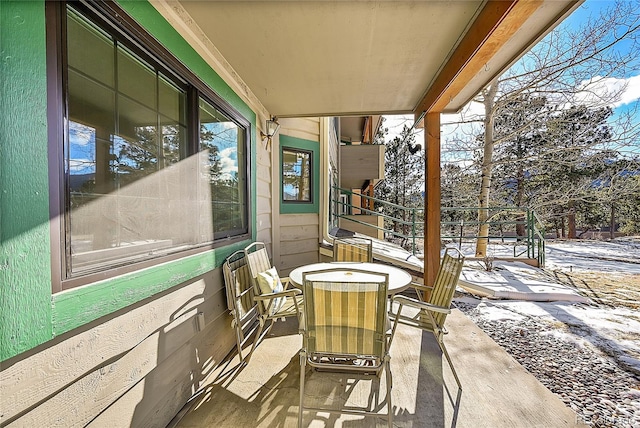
(432, 198)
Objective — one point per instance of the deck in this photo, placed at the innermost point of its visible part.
(497, 391)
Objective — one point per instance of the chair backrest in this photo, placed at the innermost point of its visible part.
(238, 284)
(345, 317)
(352, 249)
(446, 281)
(257, 259)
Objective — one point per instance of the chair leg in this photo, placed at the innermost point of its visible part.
(239, 340)
(259, 334)
(387, 368)
(446, 355)
(303, 366)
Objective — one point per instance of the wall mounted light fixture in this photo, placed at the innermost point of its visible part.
(272, 127)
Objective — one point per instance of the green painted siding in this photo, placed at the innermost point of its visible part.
(25, 271)
(29, 314)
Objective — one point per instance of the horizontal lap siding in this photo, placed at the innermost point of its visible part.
(307, 128)
(264, 195)
(298, 243)
(299, 233)
(139, 363)
(102, 370)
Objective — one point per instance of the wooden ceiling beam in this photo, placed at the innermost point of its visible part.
(496, 23)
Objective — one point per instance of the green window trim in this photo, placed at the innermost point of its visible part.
(30, 315)
(168, 136)
(313, 148)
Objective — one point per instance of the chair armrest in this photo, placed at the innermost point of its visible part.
(408, 301)
(287, 293)
(421, 287)
(286, 282)
(421, 290)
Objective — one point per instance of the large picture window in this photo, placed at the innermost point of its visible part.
(153, 163)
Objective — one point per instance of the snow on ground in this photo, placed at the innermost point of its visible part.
(515, 280)
(574, 325)
(603, 256)
(614, 329)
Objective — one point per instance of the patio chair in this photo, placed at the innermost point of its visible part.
(240, 300)
(431, 315)
(346, 330)
(354, 249)
(275, 300)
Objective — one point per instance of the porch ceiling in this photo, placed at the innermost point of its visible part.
(315, 58)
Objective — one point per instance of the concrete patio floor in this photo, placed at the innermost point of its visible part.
(497, 391)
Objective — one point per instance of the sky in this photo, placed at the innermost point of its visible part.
(629, 102)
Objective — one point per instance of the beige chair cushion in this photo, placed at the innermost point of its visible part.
(269, 282)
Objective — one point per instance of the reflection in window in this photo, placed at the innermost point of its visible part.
(222, 154)
(296, 175)
(136, 187)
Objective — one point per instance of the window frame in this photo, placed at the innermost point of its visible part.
(307, 146)
(110, 17)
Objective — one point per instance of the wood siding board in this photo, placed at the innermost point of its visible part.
(299, 220)
(308, 125)
(33, 379)
(264, 221)
(300, 246)
(264, 205)
(154, 361)
(298, 232)
(302, 135)
(292, 261)
(264, 189)
(264, 236)
(158, 398)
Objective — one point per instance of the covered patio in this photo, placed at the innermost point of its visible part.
(129, 338)
(353, 58)
(497, 391)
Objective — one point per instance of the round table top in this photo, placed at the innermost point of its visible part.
(399, 280)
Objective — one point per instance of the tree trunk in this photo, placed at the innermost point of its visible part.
(612, 222)
(487, 159)
(520, 228)
(571, 221)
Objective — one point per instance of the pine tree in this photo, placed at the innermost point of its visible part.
(402, 185)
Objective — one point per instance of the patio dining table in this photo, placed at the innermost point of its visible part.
(399, 280)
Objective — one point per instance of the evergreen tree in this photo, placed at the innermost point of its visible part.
(402, 185)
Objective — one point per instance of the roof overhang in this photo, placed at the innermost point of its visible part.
(317, 58)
